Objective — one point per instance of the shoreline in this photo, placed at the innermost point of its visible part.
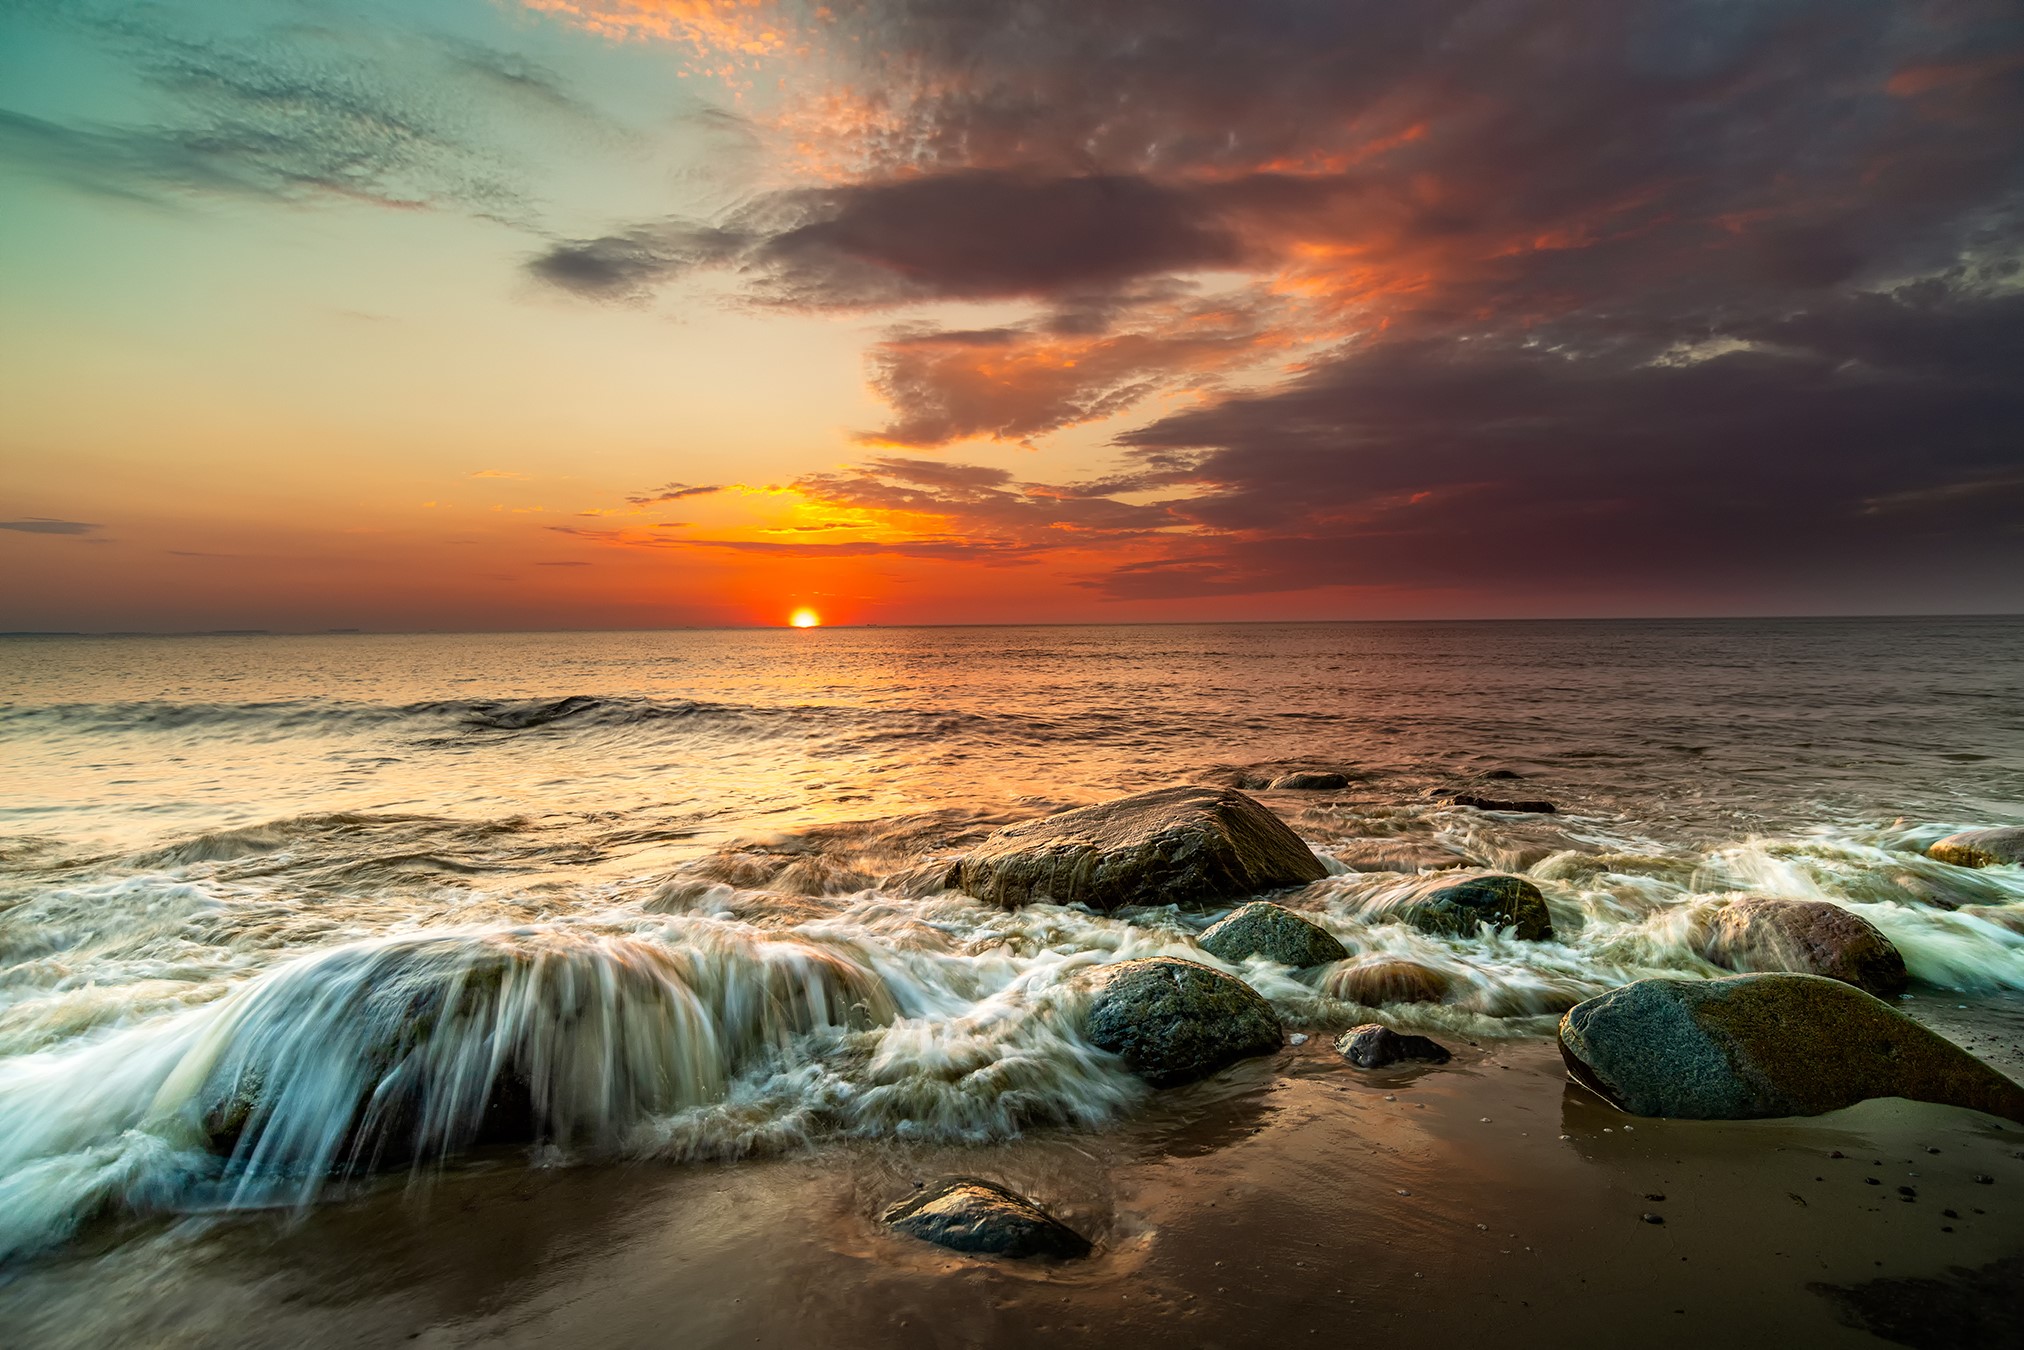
(1290, 1196)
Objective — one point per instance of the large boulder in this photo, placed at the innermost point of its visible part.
(1372, 1046)
(966, 1215)
(1184, 845)
(1749, 1046)
(1980, 848)
(1175, 1021)
(1806, 937)
(1457, 908)
(1262, 928)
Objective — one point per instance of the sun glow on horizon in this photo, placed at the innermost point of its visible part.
(805, 618)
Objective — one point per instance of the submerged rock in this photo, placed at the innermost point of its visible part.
(1372, 1047)
(1307, 780)
(1455, 797)
(1750, 1046)
(1457, 909)
(1389, 980)
(1175, 1021)
(1395, 855)
(1806, 937)
(1980, 848)
(1273, 932)
(1184, 845)
(966, 1215)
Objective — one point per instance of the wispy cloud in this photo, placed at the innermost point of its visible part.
(674, 492)
(47, 525)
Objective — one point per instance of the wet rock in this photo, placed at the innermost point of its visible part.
(1387, 980)
(1806, 937)
(1396, 855)
(1457, 909)
(922, 879)
(1310, 781)
(1533, 807)
(972, 1216)
(1750, 1046)
(1372, 1047)
(1175, 1021)
(1980, 848)
(1184, 845)
(1273, 932)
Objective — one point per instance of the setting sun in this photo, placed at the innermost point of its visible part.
(805, 618)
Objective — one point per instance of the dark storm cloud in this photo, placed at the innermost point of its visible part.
(1502, 293)
(45, 525)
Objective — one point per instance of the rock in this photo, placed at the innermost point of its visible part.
(1395, 855)
(1749, 1046)
(1457, 908)
(1184, 845)
(1980, 848)
(922, 879)
(1175, 1021)
(1273, 932)
(1388, 980)
(972, 1216)
(1372, 1047)
(1306, 781)
(1541, 808)
(1806, 937)
(1505, 774)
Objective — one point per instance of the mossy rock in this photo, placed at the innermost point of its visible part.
(1274, 932)
(1176, 846)
(1459, 908)
(1175, 1021)
(1751, 1046)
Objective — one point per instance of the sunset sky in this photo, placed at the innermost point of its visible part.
(582, 313)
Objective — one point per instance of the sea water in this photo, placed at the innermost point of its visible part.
(276, 911)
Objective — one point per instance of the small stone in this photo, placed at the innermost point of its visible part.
(1871, 1181)
(1372, 1047)
(1654, 1197)
(980, 1218)
(1310, 781)
(1983, 1179)
(1649, 1217)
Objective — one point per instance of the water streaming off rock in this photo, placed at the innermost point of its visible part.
(276, 911)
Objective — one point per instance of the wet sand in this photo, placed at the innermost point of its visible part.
(1291, 1198)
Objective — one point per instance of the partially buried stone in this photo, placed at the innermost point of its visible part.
(1174, 1021)
(1176, 846)
(1372, 1047)
(977, 1217)
(1310, 781)
(1751, 1046)
(1806, 937)
(1273, 932)
(1458, 909)
(1980, 848)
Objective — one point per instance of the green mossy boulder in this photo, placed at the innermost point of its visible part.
(1175, 1021)
(1274, 932)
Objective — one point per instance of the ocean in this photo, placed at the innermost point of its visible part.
(236, 871)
